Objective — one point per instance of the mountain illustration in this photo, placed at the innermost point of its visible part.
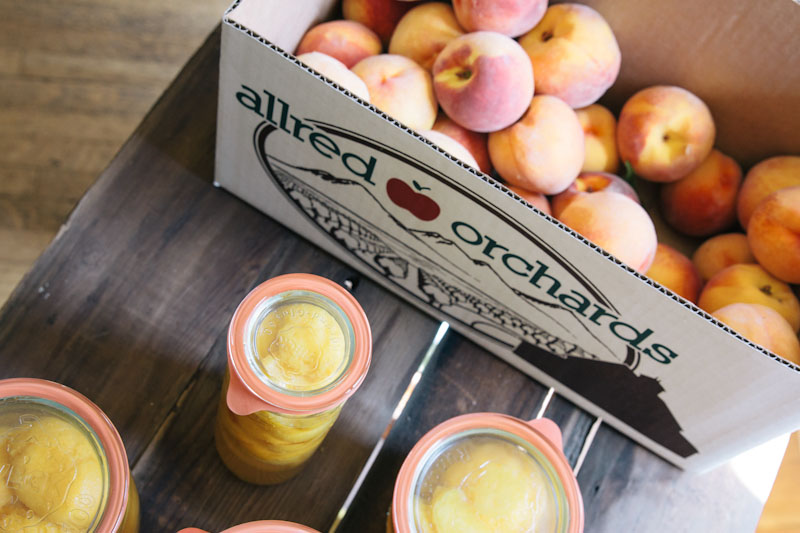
(438, 271)
(417, 274)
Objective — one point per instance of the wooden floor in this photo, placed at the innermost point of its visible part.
(76, 77)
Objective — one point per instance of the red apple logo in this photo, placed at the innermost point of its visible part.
(418, 204)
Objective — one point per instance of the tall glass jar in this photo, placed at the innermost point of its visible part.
(262, 526)
(62, 463)
(298, 346)
(487, 472)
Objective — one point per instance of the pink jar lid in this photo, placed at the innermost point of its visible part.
(247, 393)
(263, 526)
(119, 473)
(542, 433)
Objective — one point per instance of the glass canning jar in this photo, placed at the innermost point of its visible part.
(263, 526)
(487, 472)
(298, 346)
(63, 466)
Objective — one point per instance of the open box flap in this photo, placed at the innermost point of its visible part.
(508, 277)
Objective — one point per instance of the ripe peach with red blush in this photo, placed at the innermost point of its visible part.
(720, 252)
(664, 132)
(616, 224)
(400, 88)
(543, 152)
(473, 141)
(763, 179)
(591, 182)
(703, 202)
(574, 53)
(676, 272)
(773, 233)
(750, 284)
(423, 33)
(483, 81)
(763, 326)
(509, 17)
(345, 40)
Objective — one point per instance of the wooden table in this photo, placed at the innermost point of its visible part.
(130, 305)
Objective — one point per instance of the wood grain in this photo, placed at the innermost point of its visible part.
(627, 488)
(130, 305)
(126, 299)
(76, 77)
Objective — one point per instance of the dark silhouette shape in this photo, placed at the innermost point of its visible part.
(617, 389)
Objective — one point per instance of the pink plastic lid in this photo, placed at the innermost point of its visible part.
(248, 393)
(543, 434)
(119, 474)
(263, 526)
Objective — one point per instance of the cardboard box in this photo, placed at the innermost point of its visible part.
(466, 250)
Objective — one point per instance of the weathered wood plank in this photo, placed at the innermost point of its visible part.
(53, 65)
(35, 152)
(135, 292)
(66, 123)
(130, 295)
(84, 96)
(627, 488)
(20, 250)
(181, 464)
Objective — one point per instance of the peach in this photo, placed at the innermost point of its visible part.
(763, 179)
(336, 71)
(750, 284)
(590, 182)
(763, 326)
(449, 145)
(704, 202)
(676, 272)
(423, 33)
(665, 132)
(381, 16)
(345, 40)
(509, 17)
(483, 81)
(473, 141)
(400, 88)
(574, 53)
(720, 252)
(616, 224)
(539, 201)
(773, 233)
(543, 152)
(600, 139)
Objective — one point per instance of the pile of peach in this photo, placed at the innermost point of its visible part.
(509, 87)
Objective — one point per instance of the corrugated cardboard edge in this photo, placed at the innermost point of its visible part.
(516, 362)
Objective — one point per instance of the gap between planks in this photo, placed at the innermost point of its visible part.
(433, 350)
